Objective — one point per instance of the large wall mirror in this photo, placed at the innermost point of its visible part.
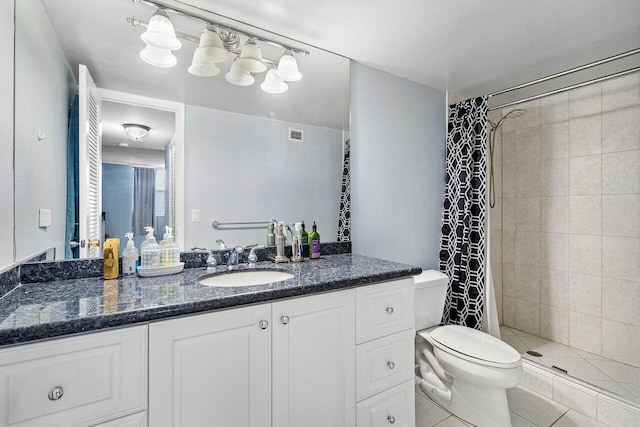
(206, 149)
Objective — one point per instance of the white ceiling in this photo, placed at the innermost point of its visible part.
(115, 114)
(468, 47)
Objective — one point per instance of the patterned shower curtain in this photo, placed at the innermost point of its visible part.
(462, 246)
(344, 216)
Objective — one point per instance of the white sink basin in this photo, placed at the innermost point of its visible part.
(245, 278)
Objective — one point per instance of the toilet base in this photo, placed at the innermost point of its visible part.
(480, 406)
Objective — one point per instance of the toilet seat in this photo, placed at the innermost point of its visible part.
(473, 345)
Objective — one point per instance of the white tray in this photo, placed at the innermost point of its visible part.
(160, 271)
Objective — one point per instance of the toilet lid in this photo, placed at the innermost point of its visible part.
(475, 344)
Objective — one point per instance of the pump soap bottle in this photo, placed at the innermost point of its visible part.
(314, 243)
(150, 250)
(129, 257)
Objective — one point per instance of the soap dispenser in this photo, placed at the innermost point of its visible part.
(169, 250)
(129, 257)
(150, 250)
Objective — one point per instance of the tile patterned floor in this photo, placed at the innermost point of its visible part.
(615, 377)
(528, 409)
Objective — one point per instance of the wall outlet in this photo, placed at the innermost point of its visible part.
(195, 215)
(44, 218)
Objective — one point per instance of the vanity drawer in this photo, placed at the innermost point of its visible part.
(384, 363)
(80, 380)
(394, 407)
(384, 309)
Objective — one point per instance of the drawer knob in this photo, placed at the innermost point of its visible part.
(392, 420)
(264, 324)
(56, 393)
(284, 320)
(390, 310)
(391, 365)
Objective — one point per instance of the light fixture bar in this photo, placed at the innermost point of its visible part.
(217, 24)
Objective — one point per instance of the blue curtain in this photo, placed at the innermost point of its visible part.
(73, 175)
(144, 199)
(462, 246)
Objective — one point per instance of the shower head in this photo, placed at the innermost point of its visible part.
(510, 115)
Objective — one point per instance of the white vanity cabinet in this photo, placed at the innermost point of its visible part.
(385, 326)
(313, 361)
(211, 369)
(82, 380)
(289, 363)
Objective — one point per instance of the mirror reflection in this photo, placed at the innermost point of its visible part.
(237, 158)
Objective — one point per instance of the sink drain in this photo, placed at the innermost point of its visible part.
(534, 353)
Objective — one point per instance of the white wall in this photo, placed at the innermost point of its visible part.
(42, 91)
(6, 133)
(243, 168)
(397, 167)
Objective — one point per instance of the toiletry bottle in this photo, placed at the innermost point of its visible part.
(271, 237)
(280, 256)
(169, 250)
(150, 250)
(314, 242)
(129, 257)
(298, 251)
(305, 235)
(111, 255)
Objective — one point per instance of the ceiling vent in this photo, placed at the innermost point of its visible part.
(296, 135)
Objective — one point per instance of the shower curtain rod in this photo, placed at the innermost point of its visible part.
(565, 89)
(564, 73)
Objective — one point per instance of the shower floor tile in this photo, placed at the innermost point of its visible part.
(614, 377)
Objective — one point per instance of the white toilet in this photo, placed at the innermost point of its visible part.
(464, 370)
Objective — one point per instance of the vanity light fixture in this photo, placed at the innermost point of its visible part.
(288, 68)
(215, 42)
(273, 84)
(136, 131)
(160, 32)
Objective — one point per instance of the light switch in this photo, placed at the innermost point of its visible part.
(44, 218)
(195, 215)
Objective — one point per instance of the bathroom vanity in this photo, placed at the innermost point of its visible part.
(331, 346)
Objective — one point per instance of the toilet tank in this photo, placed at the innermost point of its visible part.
(430, 294)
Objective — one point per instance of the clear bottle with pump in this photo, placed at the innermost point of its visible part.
(280, 242)
(169, 250)
(314, 243)
(130, 258)
(150, 250)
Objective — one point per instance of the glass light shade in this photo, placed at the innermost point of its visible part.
(238, 77)
(158, 57)
(288, 68)
(211, 45)
(272, 84)
(250, 59)
(160, 32)
(202, 65)
(135, 130)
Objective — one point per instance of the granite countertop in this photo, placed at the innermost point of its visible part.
(35, 311)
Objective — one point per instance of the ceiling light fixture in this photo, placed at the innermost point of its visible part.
(136, 131)
(215, 43)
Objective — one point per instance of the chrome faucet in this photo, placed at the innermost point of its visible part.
(236, 254)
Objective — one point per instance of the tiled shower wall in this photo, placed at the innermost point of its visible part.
(566, 228)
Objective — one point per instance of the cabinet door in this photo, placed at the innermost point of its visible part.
(79, 380)
(211, 370)
(314, 360)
